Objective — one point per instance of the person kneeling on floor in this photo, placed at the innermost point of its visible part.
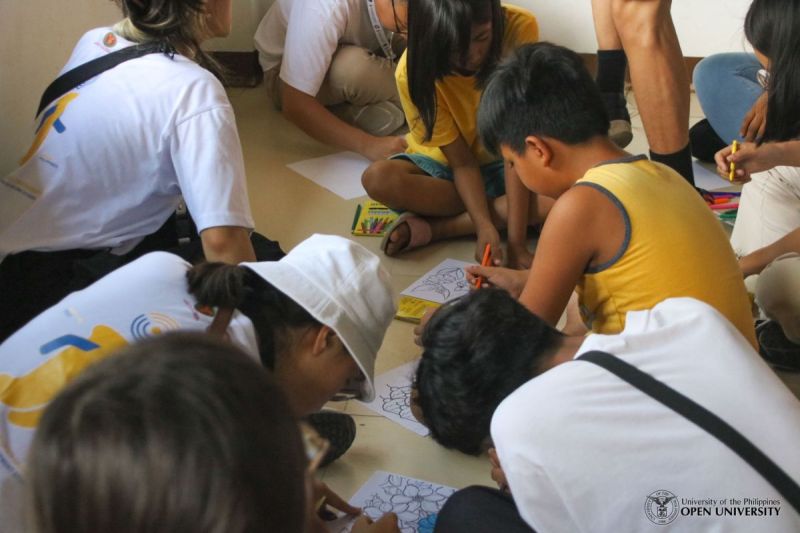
(579, 448)
(316, 319)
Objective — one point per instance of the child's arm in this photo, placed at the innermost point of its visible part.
(469, 184)
(755, 262)
(570, 241)
(518, 198)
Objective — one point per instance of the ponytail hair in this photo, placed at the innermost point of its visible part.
(179, 25)
(771, 26)
(438, 32)
(273, 313)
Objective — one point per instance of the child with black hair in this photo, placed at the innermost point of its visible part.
(767, 230)
(448, 183)
(182, 433)
(627, 232)
(316, 319)
(579, 448)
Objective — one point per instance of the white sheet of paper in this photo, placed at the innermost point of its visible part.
(705, 179)
(339, 173)
(416, 502)
(444, 282)
(393, 397)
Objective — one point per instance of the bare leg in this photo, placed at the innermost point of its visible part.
(659, 77)
(604, 28)
(403, 185)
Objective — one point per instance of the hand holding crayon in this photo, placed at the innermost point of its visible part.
(487, 253)
(732, 171)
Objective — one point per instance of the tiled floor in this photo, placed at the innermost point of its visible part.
(289, 208)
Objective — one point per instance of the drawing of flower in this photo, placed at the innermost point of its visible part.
(415, 503)
(416, 500)
(399, 402)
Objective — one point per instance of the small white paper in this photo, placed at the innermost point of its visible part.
(393, 398)
(444, 282)
(705, 179)
(416, 502)
(339, 173)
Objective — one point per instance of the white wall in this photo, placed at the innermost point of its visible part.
(246, 16)
(36, 37)
(704, 26)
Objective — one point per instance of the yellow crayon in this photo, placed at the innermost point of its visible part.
(732, 172)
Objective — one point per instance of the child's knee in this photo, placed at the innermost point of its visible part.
(638, 22)
(378, 180)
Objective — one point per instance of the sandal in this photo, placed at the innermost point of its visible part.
(419, 233)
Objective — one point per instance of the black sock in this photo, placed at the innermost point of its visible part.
(611, 65)
(680, 161)
(705, 141)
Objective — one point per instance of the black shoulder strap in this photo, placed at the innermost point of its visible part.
(80, 74)
(702, 417)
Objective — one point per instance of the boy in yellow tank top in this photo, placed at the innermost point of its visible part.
(624, 233)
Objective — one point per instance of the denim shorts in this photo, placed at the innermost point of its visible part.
(493, 173)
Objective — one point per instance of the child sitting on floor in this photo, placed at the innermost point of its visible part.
(627, 232)
(447, 181)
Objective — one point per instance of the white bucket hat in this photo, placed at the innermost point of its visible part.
(343, 286)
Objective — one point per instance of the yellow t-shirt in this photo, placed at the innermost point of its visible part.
(457, 98)
(674, 246)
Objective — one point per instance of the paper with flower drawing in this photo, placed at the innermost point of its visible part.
(414, 501)
(393, 398)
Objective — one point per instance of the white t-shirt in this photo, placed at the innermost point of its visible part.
(303, 35)
(111, 158)
(143, 298)
(584, 451)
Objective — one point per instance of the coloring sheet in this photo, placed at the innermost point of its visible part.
(339, 173)
(393, 398)
(706, 179)
(444, 282)
(415, 502)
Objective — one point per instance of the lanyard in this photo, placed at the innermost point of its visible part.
(380, 33)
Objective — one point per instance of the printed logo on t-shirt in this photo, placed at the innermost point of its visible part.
(151, 324)
(51, 119)
(661, 507)
(110, 40)
(27, 396)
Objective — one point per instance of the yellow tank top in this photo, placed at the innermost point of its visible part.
(674, 246)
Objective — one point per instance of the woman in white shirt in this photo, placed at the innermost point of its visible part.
(112, 157)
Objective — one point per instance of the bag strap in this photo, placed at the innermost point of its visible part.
(703, 418)
(83, 73)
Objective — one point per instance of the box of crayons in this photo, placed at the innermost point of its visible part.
(372, 218)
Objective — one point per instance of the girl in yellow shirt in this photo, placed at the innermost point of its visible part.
(447, 182)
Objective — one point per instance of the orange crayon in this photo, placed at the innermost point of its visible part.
(484, 262)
